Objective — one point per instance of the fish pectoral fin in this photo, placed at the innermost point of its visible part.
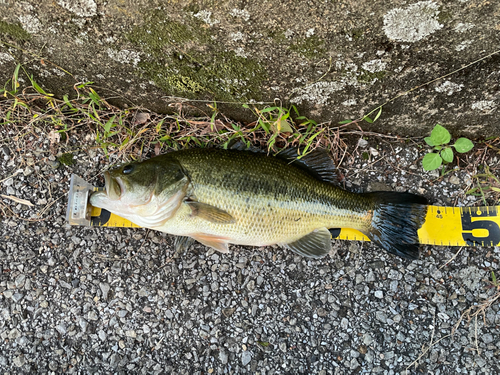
(210, 213)
(217, 243)
(316, 244)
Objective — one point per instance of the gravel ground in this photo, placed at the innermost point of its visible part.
(109, 300)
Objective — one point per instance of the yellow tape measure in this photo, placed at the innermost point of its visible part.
(445, 226)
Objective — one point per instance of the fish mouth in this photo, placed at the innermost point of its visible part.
(115, 188)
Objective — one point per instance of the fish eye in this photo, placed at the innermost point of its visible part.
(128, 169)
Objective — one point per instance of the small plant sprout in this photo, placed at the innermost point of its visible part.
(442, 152)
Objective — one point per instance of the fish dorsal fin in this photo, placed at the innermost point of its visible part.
(210, 213)
(239, 145)
(317, 163)
(316, 244)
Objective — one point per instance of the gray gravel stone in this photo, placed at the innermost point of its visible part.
(105, 290)
(92, 315)
(19, 361)
(5, 152)
(246, 357)
(16, 297)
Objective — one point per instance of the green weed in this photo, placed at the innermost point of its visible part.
(130, 132)
(442, 153)
(486, 183)
(366, 118)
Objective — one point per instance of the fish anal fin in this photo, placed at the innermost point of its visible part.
(316, 244)
(210, 213)
(215, 242)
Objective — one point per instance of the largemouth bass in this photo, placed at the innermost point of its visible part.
(220, 197)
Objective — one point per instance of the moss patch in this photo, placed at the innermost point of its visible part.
(66, 159)
(368, 77)
(14, 30)
(187, 59)
(443, 17)
(357, 33)
(311, 47)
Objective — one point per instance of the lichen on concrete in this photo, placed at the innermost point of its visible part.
(318, 93)
(449, 88)
(412, 23)
(30, 23)
(124, 56)
(463, 45)
(339, 60)
(206, 16)
(374, 66)
(240, 13)
(82, 8)
(463, 27)
(5, 58)
(486, 106)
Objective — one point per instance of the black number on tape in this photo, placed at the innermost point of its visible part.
(468, 225)
(335, 232)
(103, 218)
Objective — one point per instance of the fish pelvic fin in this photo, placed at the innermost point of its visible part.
(316, 244)
(182, 244)
(215, 242)
(396, 219)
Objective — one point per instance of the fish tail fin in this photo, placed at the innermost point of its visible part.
(396, 219)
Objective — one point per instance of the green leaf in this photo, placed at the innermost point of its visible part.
(109, 123)
(282, 126)
(38, 88)
(15, 79)
(447, 154)
(264, 125)
(368, 119)
(473, 190)
(431, 161)
(269, 109)
(378, 114)
(159, 125)
(428, 140)
(109, 135)
(440, 136)
(245, 106)
(94, 96)
(344, 122)
(495, 189)
(463, 145)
